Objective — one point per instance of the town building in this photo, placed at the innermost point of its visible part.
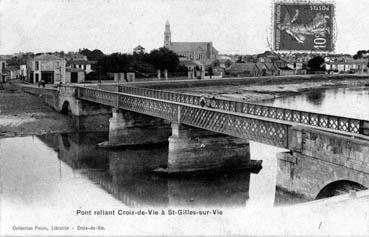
(200, 51)
(85, 65)
(139, 49)
(346, 65)
(12, 72)
(23, 71)
(46, 67)
(3, 65)
(74, 75)
(243, 70)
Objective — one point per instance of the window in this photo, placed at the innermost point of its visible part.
(37, 65)
(57, 64)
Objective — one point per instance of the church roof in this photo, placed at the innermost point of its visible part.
(189, 46)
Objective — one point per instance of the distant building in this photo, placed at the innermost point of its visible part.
(243, 70)
(200, 51)
(46, 67)
(3, 65)
(347, 65)
(23, 71)
(74, 75)
(85, 65)
(253, 69)
(12, 72)
(139, 49)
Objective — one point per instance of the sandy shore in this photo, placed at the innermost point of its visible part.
(24, 114)
(257, 93)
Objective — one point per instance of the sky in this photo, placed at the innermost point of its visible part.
(234, 26)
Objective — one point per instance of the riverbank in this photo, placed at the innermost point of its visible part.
(23, 114)
(257, 93)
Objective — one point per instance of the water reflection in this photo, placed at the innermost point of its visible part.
(126, 174)
(350, 102)
(315, 96)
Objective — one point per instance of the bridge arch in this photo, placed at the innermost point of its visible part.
(66, 108)
(339, 187)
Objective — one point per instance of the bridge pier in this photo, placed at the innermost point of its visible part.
(193, 149)
(128, 128)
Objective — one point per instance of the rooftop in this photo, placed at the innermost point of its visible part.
(47, 57)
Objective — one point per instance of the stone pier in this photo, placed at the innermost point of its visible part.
(129, 128)
(192, 149)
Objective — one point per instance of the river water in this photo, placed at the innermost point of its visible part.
(50, 180)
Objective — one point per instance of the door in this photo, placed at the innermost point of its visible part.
(31, 77)
(74, 77)
(48, 77)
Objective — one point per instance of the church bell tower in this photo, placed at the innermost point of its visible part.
(167, 35)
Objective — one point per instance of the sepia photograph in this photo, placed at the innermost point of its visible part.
(184, 118)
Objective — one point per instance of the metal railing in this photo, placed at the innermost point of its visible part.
(166, 107)
(340, 123)
(259, 129)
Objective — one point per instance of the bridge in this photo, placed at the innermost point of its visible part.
(211, 133)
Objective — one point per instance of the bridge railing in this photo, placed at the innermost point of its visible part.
(334, 122)
(254, 128)
(39, 90)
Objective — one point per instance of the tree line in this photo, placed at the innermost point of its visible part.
(157, 59)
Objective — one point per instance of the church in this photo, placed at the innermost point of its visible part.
(203, 52)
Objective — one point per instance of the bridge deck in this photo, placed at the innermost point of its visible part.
(259, 123)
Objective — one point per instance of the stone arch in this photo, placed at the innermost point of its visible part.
(339, 187)
(65, 141)
(66, 108)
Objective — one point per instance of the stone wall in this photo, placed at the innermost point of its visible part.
(307, 176)
(342, 150)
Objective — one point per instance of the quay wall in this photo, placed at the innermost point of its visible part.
(234, 81)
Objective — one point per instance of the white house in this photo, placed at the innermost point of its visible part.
(46, 67)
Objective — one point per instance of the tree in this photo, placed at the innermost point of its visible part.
(316, 64)
(163, 58)
(210, 72)
(140, 63)
(228, 63)
(95, 54)
(360, 54)
(115, 62)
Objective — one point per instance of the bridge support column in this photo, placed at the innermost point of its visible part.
(192, 149)
(117, 126)
(129, 128)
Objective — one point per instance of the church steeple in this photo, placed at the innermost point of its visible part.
(167, 35)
